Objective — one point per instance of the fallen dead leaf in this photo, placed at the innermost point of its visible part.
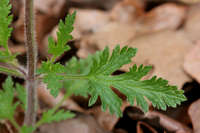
(119, 130)
(45, 96)
(165, 51)
(167, 16)
(20, 48)
(142, 125)
(168, 123)
(105, 119)
(100, 4)
(192, 25)
(190, 1)
(80, 124)
(192, 62)
(53, 7)
(194, 112)
(5, 127)
(16, 7)
(127, 11)
(111, 34)
(158, 119)
(90, 20)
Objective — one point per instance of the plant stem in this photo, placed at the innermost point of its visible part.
(58, 105)
(15, 124)
(10, 72)
(74, 76)
(30, 114)
(12, 69)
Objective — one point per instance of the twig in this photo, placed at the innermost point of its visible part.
(166, 122)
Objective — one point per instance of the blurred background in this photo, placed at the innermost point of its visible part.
(167, 35)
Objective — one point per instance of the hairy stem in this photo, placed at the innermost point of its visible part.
(31, 82)
(11, 72)
(12, 69)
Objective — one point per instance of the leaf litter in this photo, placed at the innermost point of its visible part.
(167, 38)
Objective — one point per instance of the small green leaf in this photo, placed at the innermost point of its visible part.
(108, 97)
(51, 116)
(50, 70)
(51, 76)
(27, 129)
(5, 30)
(21, 94)
(104, 64)
(63, 36)
(5, 56)
(6, 19)
(7, 108)
(75, 67)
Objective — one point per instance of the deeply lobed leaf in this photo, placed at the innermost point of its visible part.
(5, 56)
(7, 108)
(5, 30)
(51, 116)
(136, 90)
(49, 69)
(104, 64)
(5, 22)
(81, 67)
(51, 76)
(21, 94)
(63, 36)
(93, 76)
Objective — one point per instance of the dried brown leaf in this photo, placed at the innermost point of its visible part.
(194, 112)
(105, 119)
(45, 96)
(109, 35)
(165, 51)
(127, 11)
(192, 62)
(90, 20)
(80, 124)
(141, 125)
(167, 16)
(192, 26)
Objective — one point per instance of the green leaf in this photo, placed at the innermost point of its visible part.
(156, 90)
(21, 94)
(7, 108)
(108, 97)
(51, 116)
(49, 69)
(63, 36)
(6, 19)
(106, 65)
(74, 67)
(5, 30)
(51, 76)
(99, 78)
(27, 129)
(94, 76)
(5, 56)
